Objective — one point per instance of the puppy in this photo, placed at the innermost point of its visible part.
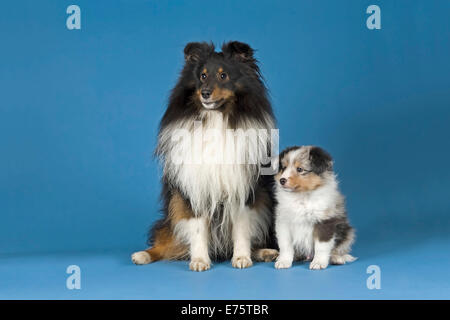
(310, 215)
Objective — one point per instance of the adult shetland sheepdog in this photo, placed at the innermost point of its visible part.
(217, 204)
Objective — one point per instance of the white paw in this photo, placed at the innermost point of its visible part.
(318, 264)
(336, 259)
(199, 265)
(141, 257)
(241, 262)
(283, 264)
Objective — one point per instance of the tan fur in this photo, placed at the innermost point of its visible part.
(221, 93)
(297, 181)
(265, 255)
(179, 209)
(308, 182)
(165, 245)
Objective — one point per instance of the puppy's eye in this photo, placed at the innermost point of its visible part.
(203, 76)
(299, 169)
(223, 76)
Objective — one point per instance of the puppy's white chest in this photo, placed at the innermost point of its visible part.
(302, 209)
(302, 237)
(300, 214)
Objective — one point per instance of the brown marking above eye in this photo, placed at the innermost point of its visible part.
(221, 75)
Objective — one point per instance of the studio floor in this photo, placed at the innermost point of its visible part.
(407, 272)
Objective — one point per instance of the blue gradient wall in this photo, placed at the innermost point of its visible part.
(79, 110)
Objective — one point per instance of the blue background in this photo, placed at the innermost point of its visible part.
(79, 111)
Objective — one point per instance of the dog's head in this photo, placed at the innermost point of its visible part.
(303, 168)
(218, 78)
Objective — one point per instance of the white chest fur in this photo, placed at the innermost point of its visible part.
(298, 213)
(208, 163)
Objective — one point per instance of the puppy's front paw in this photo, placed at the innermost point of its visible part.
(241, 262)
(318, 264)
(199, 265)
(283, 264)
(141, 257)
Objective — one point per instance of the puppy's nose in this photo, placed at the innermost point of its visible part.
(283, 181)
(206, 93)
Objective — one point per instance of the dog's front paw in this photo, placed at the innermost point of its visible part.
(199, 265)
(283, 264)
(241, 262)
(141, 257)
(318, 264)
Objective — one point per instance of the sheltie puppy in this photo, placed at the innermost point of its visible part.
(213, 138)
(310, 215)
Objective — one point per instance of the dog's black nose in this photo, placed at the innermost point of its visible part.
(206, 93)
(283, 181)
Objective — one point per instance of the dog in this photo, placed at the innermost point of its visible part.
(215, 208)
(310, 214)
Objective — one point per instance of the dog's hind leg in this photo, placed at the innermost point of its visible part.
(265, 255)
(165, 246)
(341, 254)
(146, 256)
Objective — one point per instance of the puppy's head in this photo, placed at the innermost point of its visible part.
(303, 168)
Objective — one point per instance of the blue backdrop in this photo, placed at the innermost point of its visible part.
(80, 110)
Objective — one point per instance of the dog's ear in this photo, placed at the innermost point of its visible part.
(238, 50)
(194, 51)
(320, 160)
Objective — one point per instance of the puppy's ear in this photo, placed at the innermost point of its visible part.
(321, 160)
(194, 51)
(238, 50)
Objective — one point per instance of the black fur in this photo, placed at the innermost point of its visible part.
(321, 160)
(247, 84)
(338, 227)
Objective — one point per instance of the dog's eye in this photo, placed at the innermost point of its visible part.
(223, 76)
(299, 169)
(203, 76)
